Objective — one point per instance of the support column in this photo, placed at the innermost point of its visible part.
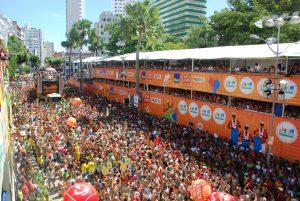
(192, 65)
(286, 65)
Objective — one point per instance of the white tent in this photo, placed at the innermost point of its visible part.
(90, 60)
(226, 52)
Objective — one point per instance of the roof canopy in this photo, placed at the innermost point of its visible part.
(90, 60)
(226, 52)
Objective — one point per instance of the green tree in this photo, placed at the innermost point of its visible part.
(95, 42)
(142, 23)
(55, 63)
(116, 34)
(82, 30)
(234, 25)
(69, 44)
(34, 60)
(18, 55)
(201, 36)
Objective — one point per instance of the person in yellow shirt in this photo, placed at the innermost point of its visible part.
(84, 169)
(91, 167)
(77, 152)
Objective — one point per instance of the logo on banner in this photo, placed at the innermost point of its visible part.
(219, 116)
(199, 79)
(182, 106)
(130, 74)
(206, 113)
(122, 92)
(148, 109)
(166, 79)
(186, 79)
(147, 98)
(157, 76)
(261, 86)
(102, 72)
(143, 75)
(156, 100)
(246, 85)
(193, 109)
(200, 126)
(150, 76)
(286, 132)
(111, 90)
(230, 84)
(176, 78)
(290, 90)
(136, 100)
(99, 87)
(214, 85)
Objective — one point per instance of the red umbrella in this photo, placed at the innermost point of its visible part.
(76, 102)
(81, 192)
(71, 122)
(199, 190)
(220, 196)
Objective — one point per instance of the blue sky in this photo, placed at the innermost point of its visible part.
(49, 15)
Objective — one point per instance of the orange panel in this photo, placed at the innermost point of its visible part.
(211, 117)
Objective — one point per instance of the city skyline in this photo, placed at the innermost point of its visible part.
(50, 15)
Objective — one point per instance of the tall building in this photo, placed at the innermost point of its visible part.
(179, 16)
(48, 49)
(34, 41)
(105, 18)
(75, 10)
(8, 26)
(119, 6)
(17, 30)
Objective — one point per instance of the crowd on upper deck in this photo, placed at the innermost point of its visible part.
(211, 66)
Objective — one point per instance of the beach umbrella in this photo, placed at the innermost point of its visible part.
(81, 192)
(76, 102)
(71, 121)
(199, 190)
(220, 196)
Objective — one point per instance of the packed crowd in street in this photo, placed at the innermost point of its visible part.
(129, 155)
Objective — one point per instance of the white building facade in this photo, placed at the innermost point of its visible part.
(75, 11)
(17, 30)
(119, 6)
(8, 26)
(105, 18)
(34, 41)
(48, 49)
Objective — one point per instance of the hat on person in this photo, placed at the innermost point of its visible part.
(246, 125)
(261, 123)
(232, 114)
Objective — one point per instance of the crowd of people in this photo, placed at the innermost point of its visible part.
(129, 155)
(207, 66)
(254, 105)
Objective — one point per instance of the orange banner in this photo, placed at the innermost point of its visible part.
(249, 86)
(211, 117)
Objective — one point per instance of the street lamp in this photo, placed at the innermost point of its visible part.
(122, 44)
(278, 22)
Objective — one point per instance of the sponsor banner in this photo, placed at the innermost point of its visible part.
(136, 100)
(240, 85)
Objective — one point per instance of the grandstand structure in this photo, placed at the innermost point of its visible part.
(173, 84)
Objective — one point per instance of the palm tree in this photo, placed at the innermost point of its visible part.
(142, 23)
(82, 30)
(69, 44)
(95, 42)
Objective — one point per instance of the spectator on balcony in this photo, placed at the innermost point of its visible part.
(257, 68)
